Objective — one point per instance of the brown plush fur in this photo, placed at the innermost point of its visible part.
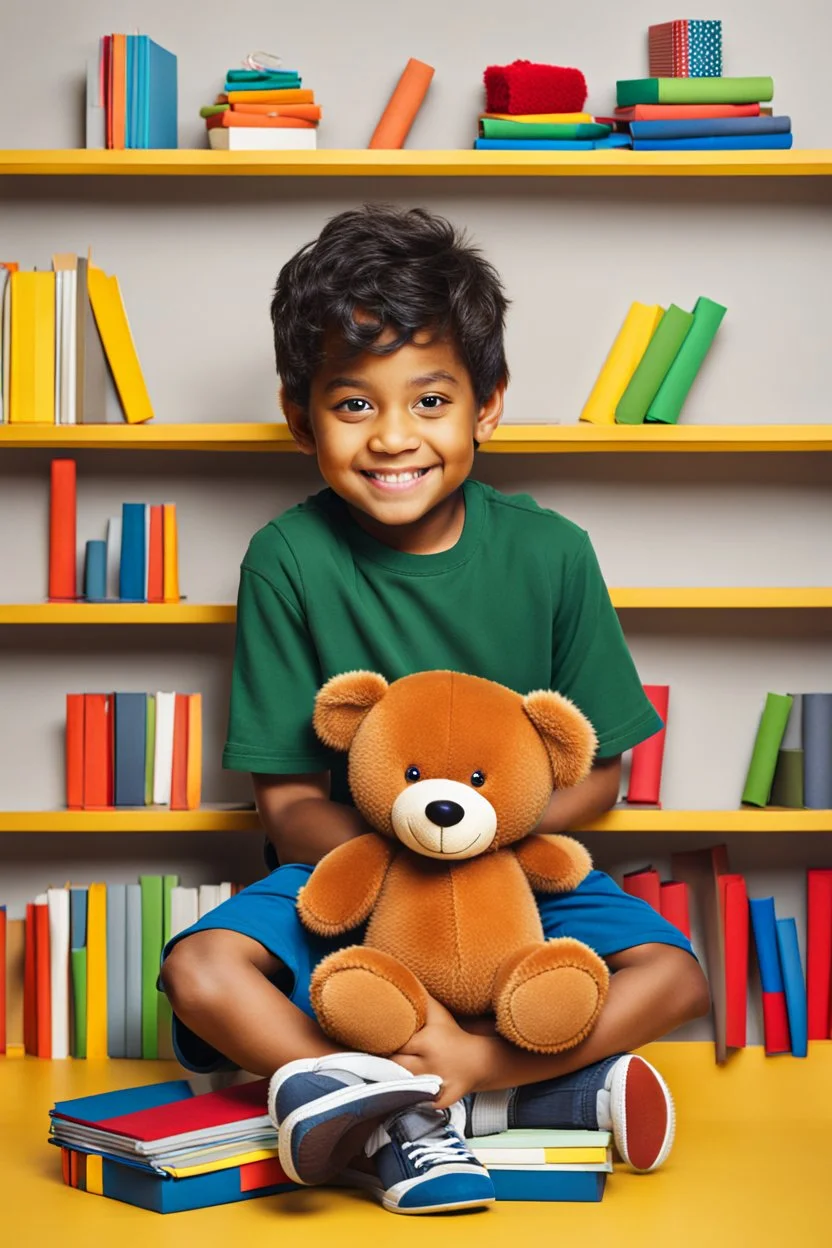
(467, 930)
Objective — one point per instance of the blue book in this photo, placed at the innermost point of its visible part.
(764, 927)
(161, 98)
(709, 127)
(131, 580)
(542, 1184)
(795, 985)
(130, 743)
(95, 571)
(725, 143)
(130, 93)
(77, 918)
(288, 83)
(550, 145)
(103, 1105)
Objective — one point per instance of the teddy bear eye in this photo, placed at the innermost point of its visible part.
(413, 774)
(478, 779)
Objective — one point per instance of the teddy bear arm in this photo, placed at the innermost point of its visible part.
(345, 885)
(553, 864)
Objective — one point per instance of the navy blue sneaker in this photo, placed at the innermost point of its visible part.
(422, 1165)
(326, 1108)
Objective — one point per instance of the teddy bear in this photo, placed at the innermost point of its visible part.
(453, 772)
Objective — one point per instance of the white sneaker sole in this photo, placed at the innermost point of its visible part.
(618, 1113)
(370, 1183)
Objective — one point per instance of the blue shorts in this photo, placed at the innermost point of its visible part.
(597, 912)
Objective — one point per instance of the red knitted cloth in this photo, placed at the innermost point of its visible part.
(523, 87)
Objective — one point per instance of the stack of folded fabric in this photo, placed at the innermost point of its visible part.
(539, 108)
(546, 1165)
(263, 110)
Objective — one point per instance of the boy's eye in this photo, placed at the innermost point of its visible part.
(412, 775)
(432, 402)
(355, 406)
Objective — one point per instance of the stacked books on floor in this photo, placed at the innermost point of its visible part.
(791, 762)
(653, 364)
(131, 94)
(539, 108)
(262, 110)
(138, 561)
(80, 969)
(68, 355)
(546, 1165)
(133, 750)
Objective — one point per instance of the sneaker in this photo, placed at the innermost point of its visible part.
(326, 1108)
(422, 1165)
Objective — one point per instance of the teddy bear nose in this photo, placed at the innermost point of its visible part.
(444, 814)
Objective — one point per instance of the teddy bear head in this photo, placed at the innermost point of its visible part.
(452, 765)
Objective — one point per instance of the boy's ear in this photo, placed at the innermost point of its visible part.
(298, 421)
(490, 414)
(343, 703)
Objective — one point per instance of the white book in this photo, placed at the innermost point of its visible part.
(225, 891)
(59, 352)
(7, 349)
(209, 898)
(68, 348)
(261, 139)
(96, 118)
(113, 556)
(163, 753)
(57, 900)
(184, 909)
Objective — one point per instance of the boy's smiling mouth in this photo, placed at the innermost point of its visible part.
(403, 479)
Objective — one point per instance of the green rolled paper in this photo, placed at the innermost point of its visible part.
(632, 91)
(651, 372)
(493, 128)
(787, 789)
(211, 110)
(670, 399)
(763, 763)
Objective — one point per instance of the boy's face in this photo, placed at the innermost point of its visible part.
(394, 434)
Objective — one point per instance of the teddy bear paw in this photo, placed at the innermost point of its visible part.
(367, 1000)
(548, 997)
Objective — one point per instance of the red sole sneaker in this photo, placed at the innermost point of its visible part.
(643, 1117)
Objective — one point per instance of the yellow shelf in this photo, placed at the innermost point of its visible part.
(508, 440)
(229, 819)
(463, 163)
(720, 598)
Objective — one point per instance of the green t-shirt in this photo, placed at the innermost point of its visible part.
(519, 599)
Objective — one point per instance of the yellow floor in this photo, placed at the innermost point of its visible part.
(750, 1167)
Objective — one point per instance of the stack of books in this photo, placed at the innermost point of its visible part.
(653, 364)
(68, 355)
(131, 94)
(670, 898)
(133, 749)
(538, 108)
(263, 110)
(81, 967)
(790, 761)
(546, 1165)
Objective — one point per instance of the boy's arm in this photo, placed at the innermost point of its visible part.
(299, 819)
(573, 808)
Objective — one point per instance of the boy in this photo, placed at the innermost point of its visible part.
(389, 343)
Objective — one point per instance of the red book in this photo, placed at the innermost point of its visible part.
(30, 991)
(62, 546)
(179, 776)
(75, 751)
(43, 980)
(241, 1103)
(644, 884)
(646, 768)
(2, 979)
(734, 905)
(818, 951)
(675, 905)
(681, 112)
(97, 751)
(155, 565)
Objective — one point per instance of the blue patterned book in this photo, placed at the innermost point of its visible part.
(709, 127)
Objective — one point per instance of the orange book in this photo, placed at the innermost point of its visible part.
(230, 120)
(63, 559)
(42, 979)
(403, 105)
(75, 751)
(179, 774)
(171, 553)
(2, 979)
(193, 778)
(288, 95)
(107, 43)
(155, 566)
(119, 81)
(97, 743)
(308, 112)
(30, 988)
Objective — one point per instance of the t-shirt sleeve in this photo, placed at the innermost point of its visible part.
(591, 663)
(275, 679)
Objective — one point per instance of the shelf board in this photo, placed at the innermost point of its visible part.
(462, 163)
(509, 439)
(228, 819)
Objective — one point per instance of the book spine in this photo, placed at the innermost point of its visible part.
(775, 1015)
(151, 892)
(672, 393)
(193, 765)
(179, 772)
(817, 750)
(794, 985)
(114, 557)
(645, 885)
(97, 971)
(653, 367)
(818, 952)
(58, 912)
(75, 751)
(78, 966)
(116, 969)
(133, 973)
(675, 905)
(149, 748)
(648, 756)
(42, 970)
(163, 752)
(787, 785)
(3, 956)
(760, 777)
(15, 986)
(62, 530)
(402, 107)
(165, 1017)
(170, 556)
(30, 989)
(95, 571)
(130, 740)
(734, 903)
(155, 571)
(96, 750)
(622, 361)
(133, 554)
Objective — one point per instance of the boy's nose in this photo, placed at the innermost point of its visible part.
(444, 814)
(393, 434)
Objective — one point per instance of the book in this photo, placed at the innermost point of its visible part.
(78, 970)
(179, 770)
(304, 112)
(495, 128)
(552, 145)
(97, 763)
(163, 748)
(700, 869)
(734, 909)
(149, 747)
(133, 973)
(15, 980)
(114, 328)
(97, 970)
(645, 885)
(116, 970)
(164, 1013)
(816, 731)
(184, 909)
(262, 139)
(794, 985)
(133, 552)
(685, 49)
(65, 266)
(30, 993)
(193, 764)
(155, 557)
(542, 1147)
(693, 91)
(652, 369)
(130, 742)
(819, 952)
(32, 348)
(118, 80)
(151, 890)
(75, 751)
(95, 571)
(158, 98)
(710, 127)
(775, 1016)
(209, 898)
(543, 1183)
(114, 557)
(787, 785)
(719, 143)
(63, 559)
(667, 405)
(674, 904)
(682, 112)
(279, 95)
(648, 756)
(58, 912)
(760, 776)
(43, 968)
(231, 118)
(170, 553)
(621, 362)
(3, 924)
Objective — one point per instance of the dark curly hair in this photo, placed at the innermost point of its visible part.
(406, 271)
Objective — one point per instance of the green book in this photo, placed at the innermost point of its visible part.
(164, 1013)
(543, 1139)
(78, 972)
(763, 763)
(674, 389)
(150, 748)
(787, 786)
(632, 91)
(211, 110)
(151, 886)
(493, 128)
(662, 350)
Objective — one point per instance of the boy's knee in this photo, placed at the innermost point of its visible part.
(201, 969)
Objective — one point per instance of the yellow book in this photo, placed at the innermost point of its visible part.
(223, 1163)
(623, 360)
(560, 119)
(32, 358)
(97, 971)
(114, 329)
(170, 555)
(193, 780)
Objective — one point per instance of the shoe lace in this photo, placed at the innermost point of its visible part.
(437, 1150)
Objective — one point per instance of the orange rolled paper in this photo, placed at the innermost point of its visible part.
(404, 104)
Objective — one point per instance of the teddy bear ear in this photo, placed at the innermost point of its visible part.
(566, 732)
(342, 704)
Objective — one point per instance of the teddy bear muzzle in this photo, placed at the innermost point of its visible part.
(444, 819)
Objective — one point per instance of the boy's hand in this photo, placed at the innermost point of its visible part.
(443, 1048)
